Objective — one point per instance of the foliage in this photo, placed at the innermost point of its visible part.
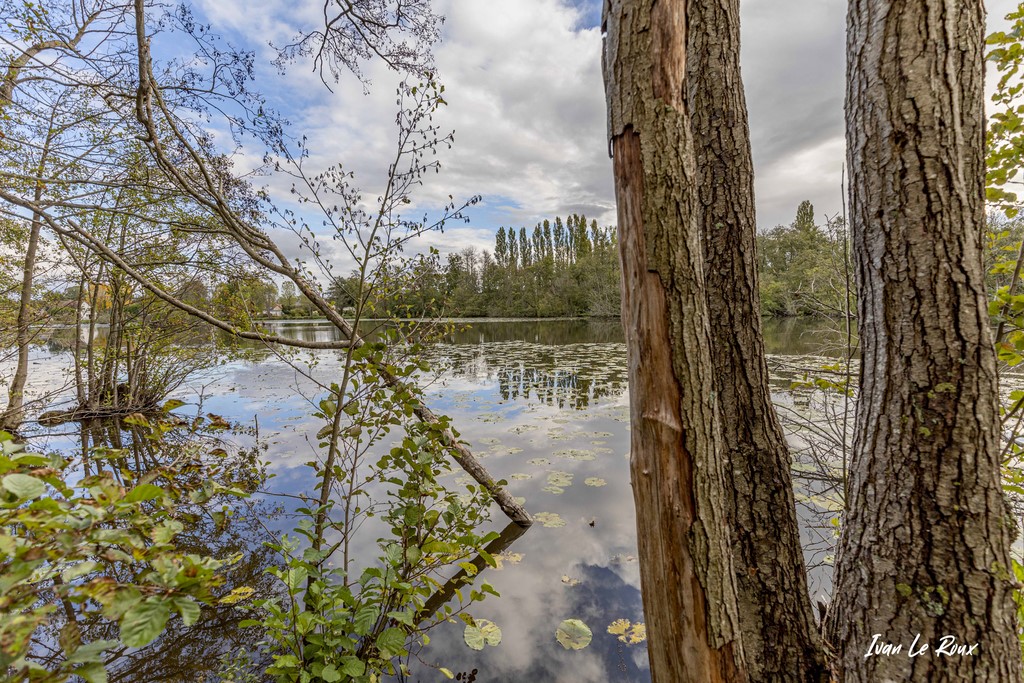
(800, 267)
(334, 621)
(571, 270)
(99, 546)
(1005, 133)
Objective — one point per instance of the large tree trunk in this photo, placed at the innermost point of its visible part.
(780, 638)
(925, 543)
(686, 570)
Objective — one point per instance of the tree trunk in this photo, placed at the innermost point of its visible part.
(925, 542)
(780, 639)
(686, 570)
(15, 413)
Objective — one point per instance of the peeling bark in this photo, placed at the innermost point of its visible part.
(686, 571)
(925, 543)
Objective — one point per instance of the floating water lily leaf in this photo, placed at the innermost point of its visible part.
(628, 633)
(622, 559)
(511, 558)
(618, 627)
(549, 519)
(569, 581)
(519, 429)
(484, 633)
(557, 481)
(519, 476)
(539, 461)
(594, 481)
(575, 454)
(573, 634)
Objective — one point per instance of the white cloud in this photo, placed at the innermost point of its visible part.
(526, 100)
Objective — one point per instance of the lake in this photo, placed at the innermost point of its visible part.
(544, 405)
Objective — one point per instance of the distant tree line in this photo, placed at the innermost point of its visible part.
(560, 268)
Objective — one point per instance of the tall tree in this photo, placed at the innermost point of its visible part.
(780, 638)
(805, 217)
(676, 464)
(525, 252)
(926, 538)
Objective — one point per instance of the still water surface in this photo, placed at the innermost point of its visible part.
(544, 404)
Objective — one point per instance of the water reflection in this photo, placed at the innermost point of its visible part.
(221, 528)
(539, 401)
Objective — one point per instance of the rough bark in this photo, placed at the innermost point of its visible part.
(686, 571)
(925, 542)
(780, 639)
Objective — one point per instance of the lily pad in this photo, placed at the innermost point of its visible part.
(550, 520)
(628, 633)
(557, 481)
(501, 559)
(573, 634)
(594, 481)
(570, 581)
(575, 454)
(484, 633)
(519, 476)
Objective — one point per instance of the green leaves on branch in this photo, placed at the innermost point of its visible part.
(72, 544)
(331, 623)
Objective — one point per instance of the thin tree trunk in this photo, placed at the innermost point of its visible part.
(15, 413)
(686, 570)
(780, 639)
(925, 542)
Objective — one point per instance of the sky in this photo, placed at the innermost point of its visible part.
(526, 101)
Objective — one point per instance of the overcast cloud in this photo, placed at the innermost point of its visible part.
(526, 101)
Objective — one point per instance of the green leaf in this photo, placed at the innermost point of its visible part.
(123, 599)
(143, 492)
(391, 642)
(402, 617)
(144, 622)
(330, 674)
(573, 634)
(188, 609)
(93, 672)
(296, 578)
(365, 618)
(91, 651)
(77, 570)
(171, 404)
(353, 666)
(24, 486)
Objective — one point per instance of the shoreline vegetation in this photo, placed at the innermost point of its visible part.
(561, 270)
